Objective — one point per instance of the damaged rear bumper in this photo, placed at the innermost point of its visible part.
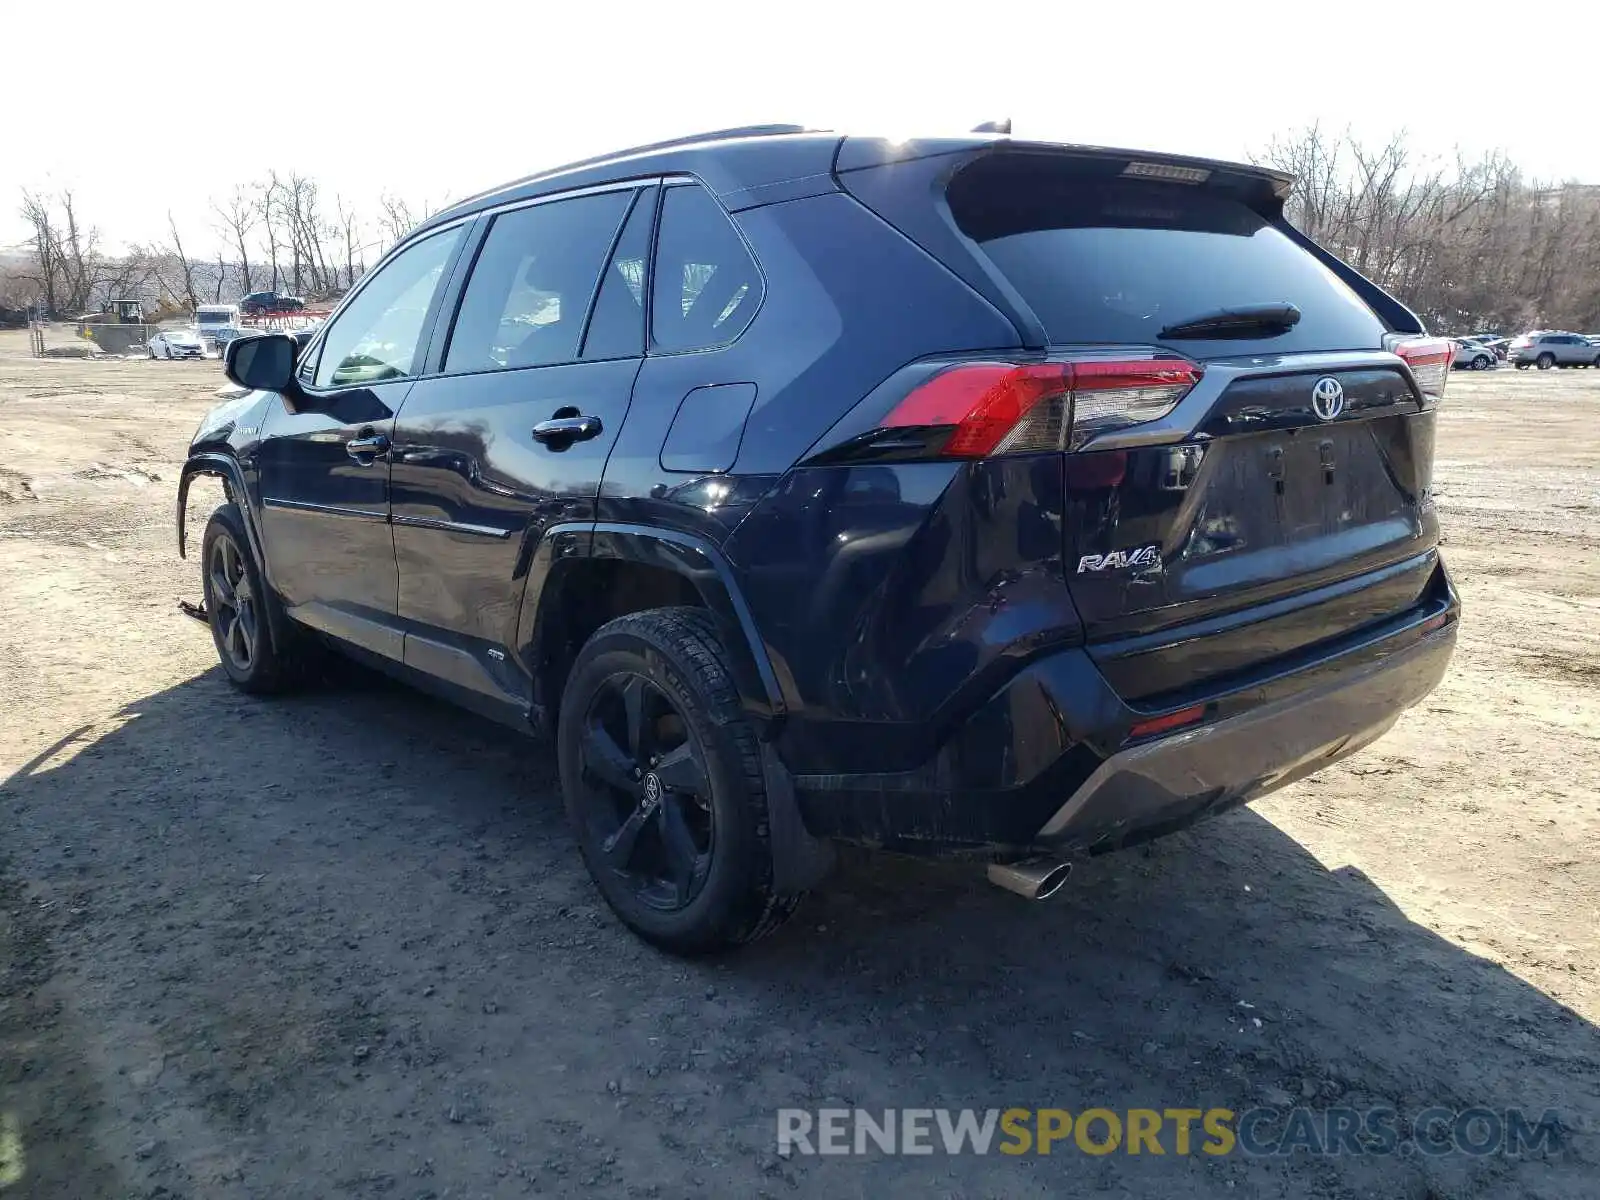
(1169, 782)
(1051, 763)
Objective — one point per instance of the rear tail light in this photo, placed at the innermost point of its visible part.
(1429, 360)
(1166, 722)
(1009, 408)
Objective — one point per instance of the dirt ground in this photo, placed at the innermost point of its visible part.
(341, 944)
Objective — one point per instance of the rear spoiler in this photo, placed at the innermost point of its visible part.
(904, 183)
(1260, 183)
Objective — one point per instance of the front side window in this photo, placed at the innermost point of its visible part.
(707, 286)
(376, 338)
(529, 293)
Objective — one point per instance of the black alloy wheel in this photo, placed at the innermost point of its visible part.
(648, 792)
(235, 619)
(665, 784)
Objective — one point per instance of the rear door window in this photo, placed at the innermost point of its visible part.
(707, 286)
(528, 297)
(1108, 259)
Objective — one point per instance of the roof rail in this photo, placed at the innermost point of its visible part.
(715, 135)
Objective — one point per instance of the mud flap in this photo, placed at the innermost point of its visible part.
(799, 860)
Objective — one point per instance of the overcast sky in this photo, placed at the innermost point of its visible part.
(142, 110)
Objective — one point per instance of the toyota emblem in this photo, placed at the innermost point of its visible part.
(1327, 398)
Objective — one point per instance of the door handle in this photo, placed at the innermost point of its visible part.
(564, 431)
(366, 450)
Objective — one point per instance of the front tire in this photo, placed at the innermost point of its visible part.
(236, 609)
(663, 783)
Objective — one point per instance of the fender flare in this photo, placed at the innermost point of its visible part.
(692, 558)
(800, 859)
(227, 468)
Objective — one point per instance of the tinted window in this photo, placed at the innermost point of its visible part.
(376, 336)
(1103, 259)
(530, 290)
(706, 284)
(616, 329)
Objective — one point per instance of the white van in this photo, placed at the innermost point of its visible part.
(209, 318)
(217, 324)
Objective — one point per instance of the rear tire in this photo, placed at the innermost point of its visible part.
(1481, 363)
(685, 862)
(1545, 361)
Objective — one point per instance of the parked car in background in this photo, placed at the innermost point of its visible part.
(257, 303)
(176, 343)
(1500, 346)
(220, 337)
(943, 496)
(1472, 356)
(1553, 348)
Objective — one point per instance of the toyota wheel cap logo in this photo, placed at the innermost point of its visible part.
(1327, 398)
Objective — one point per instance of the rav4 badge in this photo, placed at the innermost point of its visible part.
(1118, 560)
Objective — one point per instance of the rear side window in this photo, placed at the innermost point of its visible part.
(616, 330)
(707, 286)
(1106, 259)
(530, 289)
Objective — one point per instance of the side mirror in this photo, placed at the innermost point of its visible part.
(264, 363)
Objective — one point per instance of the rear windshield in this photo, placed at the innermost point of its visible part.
(1115, 260)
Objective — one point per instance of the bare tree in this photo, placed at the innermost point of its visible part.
(238, 217)
(267, 208)
(398, 218)
(395, 219)
(350, 235)
(67, 264)
(183, 276)
(1466, 244)
(46, 269)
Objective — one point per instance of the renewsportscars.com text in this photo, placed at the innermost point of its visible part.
(1176, 1131)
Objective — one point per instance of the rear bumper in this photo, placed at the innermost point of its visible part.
(1048, 765)
(1170, 782)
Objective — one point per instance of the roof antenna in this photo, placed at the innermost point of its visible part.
(1000, 127)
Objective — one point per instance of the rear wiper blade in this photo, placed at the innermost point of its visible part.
(1235, 322)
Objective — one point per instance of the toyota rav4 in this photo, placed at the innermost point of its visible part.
(962, 497)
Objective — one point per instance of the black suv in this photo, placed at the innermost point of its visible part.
(258, 303)
(964, 497)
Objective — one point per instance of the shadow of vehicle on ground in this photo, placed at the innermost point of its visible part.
(344, 937)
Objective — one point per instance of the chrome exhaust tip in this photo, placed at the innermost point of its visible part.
(1033, 878)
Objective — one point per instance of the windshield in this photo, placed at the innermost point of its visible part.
(213, 318)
